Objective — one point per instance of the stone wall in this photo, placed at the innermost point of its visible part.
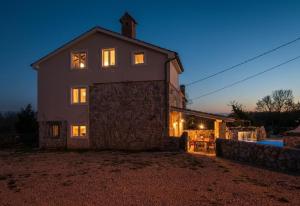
(278, 158)
(175, 97)
(257, 133)
(45, 141)
(127, 115)
(292, 141)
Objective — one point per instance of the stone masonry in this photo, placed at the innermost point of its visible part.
(127, 115)
(278, 158)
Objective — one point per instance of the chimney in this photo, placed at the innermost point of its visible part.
(128, 25)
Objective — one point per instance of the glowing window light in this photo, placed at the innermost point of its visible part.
(79, 95)
(108, 57)
(78, 60)
(139, 58)
(78, 130)
(75, 131)
(75, 96)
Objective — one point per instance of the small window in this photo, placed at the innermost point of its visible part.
(78, 60)
(78, 130)
(108, 57)
(54, 129)
(79, 95)
(139, 58)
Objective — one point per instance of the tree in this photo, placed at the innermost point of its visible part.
(238, 111)
(265, 104)
(283, 100)
(27, 126)
(279, 101)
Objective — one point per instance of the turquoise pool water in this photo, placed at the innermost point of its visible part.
(277, 143)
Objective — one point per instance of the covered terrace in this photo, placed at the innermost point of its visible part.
(202, 128)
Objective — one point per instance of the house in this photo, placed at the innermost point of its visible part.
(108, 90)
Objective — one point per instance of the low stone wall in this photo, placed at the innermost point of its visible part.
(278, 158)
(292, 141)
(256, 133)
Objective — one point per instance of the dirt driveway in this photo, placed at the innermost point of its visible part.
(119, 178)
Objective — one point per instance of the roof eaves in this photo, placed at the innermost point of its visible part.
(103, 30)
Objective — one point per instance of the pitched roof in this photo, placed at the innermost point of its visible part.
(171, 54)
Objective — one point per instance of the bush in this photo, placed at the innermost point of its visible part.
(27, 126)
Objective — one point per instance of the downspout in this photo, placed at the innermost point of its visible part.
(167, 97)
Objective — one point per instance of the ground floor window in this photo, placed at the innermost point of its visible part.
(54, 129)
(78, 130)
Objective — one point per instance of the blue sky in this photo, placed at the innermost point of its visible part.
(209, 36)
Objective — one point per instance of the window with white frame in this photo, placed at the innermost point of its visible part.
(79, 95)
(78, 60)
(78, 131)
(108, 57)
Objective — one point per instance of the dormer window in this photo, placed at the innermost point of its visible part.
(78, 60)
(139, 58)
(108, 57)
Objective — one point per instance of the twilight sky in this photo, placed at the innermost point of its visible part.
(208, 35)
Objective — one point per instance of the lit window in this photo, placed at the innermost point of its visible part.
(79, 95)
(78, 60)
(108, 57)
(78, 130)
(54, 130)
(139, 58)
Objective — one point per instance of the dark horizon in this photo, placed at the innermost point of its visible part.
(208, 35)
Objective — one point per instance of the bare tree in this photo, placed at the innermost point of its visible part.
(283, 100)
(265, 104)
(279, 101)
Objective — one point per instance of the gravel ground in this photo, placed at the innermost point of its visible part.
(118, 178)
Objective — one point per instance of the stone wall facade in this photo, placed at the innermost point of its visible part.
(128, 115)
(176, 98)
(292, 141)
(278, 158)
(46, 141)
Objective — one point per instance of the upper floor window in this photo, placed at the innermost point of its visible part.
(78, 131)
(78, 60)
(108, 57)
(139, 58)
(79, 95)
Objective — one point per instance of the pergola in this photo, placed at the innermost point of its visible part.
(178, 114)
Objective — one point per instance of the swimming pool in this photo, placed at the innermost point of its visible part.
(276, 143)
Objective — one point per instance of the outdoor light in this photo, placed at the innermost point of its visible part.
(81, 65)
(201, 126)
(174, 124)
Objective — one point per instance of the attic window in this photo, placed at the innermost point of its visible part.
(139, 58)
(78, 60)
